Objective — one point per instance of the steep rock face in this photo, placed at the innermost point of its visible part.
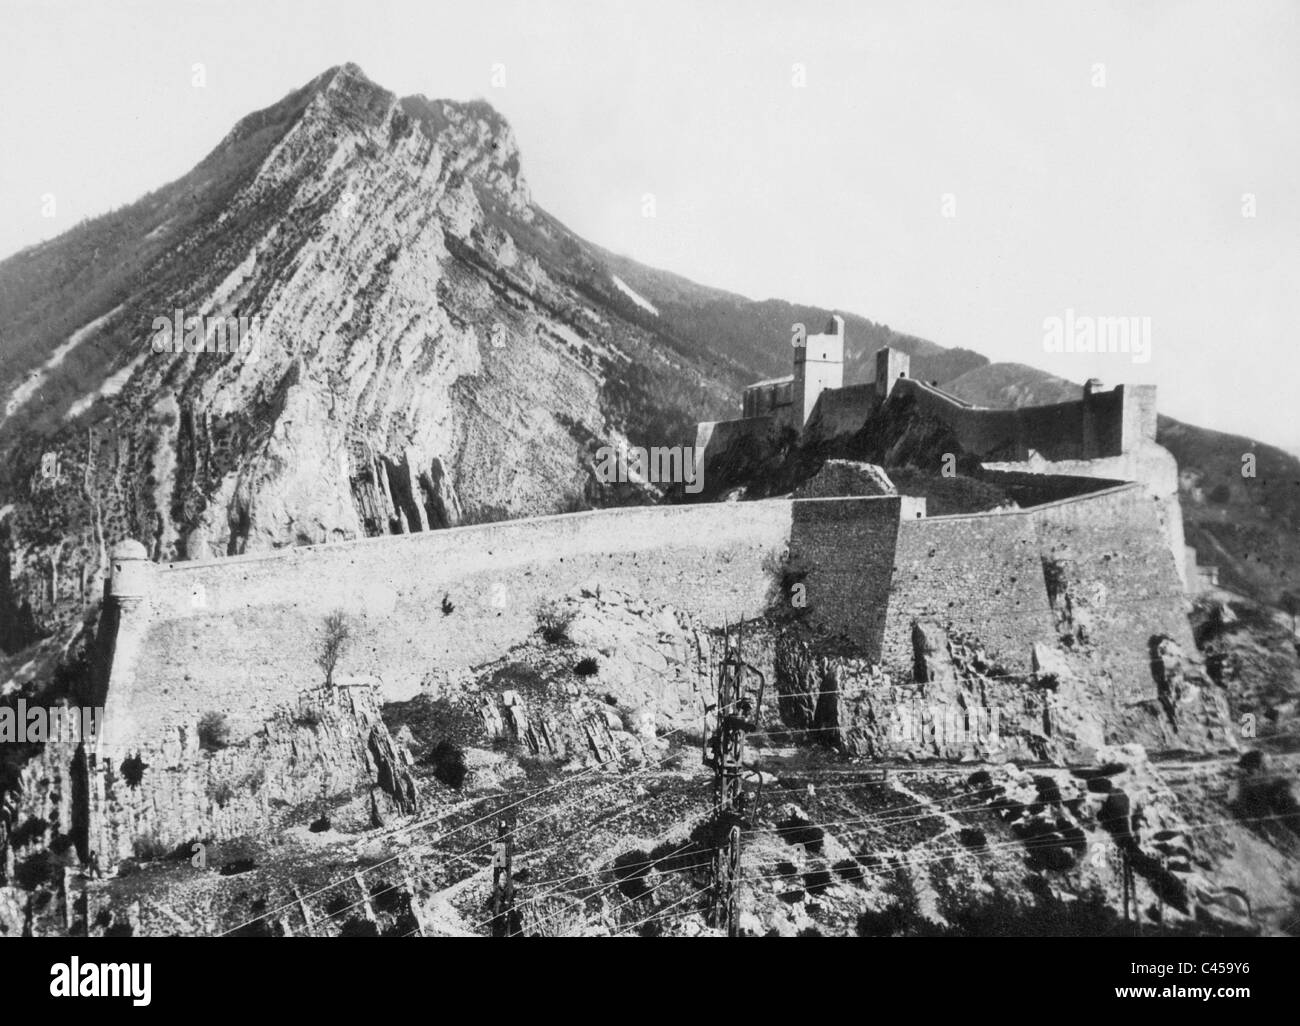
(956, 704)
(846, 477)
(1014, 851)
(174, 792)
(422, 347)
(616, 672)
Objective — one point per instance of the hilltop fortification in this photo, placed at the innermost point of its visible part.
(1106, 434)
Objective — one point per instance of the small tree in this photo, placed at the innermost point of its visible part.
(553, 621)
(337, 634)
(448, 761)
(214, 734)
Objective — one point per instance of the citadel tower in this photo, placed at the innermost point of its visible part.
(818, 365)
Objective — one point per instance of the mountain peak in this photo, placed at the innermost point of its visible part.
(349, 80)
(349, 83)
(349, 69)
(342, 102)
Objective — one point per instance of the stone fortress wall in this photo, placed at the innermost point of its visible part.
(1100, 425)
(239, 636)
(1109, 435)
(986, 575)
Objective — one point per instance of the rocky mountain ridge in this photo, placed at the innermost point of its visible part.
(413, 366)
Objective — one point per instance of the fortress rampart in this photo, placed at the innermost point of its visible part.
(1101, 425)
(1107, 435)
(1087, 572)
(872, 573)
(1098, 425)
(720, 435)
(842, 411)
(239, 635)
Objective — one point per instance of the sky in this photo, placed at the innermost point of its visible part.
(965, 172)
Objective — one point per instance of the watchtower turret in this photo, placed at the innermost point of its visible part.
(891, 364)
(131, 575)
(818, 365)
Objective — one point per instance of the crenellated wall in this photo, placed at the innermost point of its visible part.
(1085, 428)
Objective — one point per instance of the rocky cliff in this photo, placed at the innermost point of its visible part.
(427, 348)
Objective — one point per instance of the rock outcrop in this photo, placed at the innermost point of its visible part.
(846, 477)
(186, 789)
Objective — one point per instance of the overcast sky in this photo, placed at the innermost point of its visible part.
(1098, 157)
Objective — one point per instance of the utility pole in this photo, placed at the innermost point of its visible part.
(503, 887)
(1164, 870)
(1123, 873)
(738, 704)
(1132, 889)
(308, 921)
(1130, 892)
(367, 909)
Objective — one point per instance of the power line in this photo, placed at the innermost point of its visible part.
(883, 822)
(464, 855)
(443, 814)
(679, 852)
(528, 798)
(898, 862)
(656, 915)
(1028, 845)
(863, 784)
(885, 818)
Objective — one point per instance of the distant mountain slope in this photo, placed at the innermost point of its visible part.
(751, 332)
(1007, 385)
(1249, 526)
